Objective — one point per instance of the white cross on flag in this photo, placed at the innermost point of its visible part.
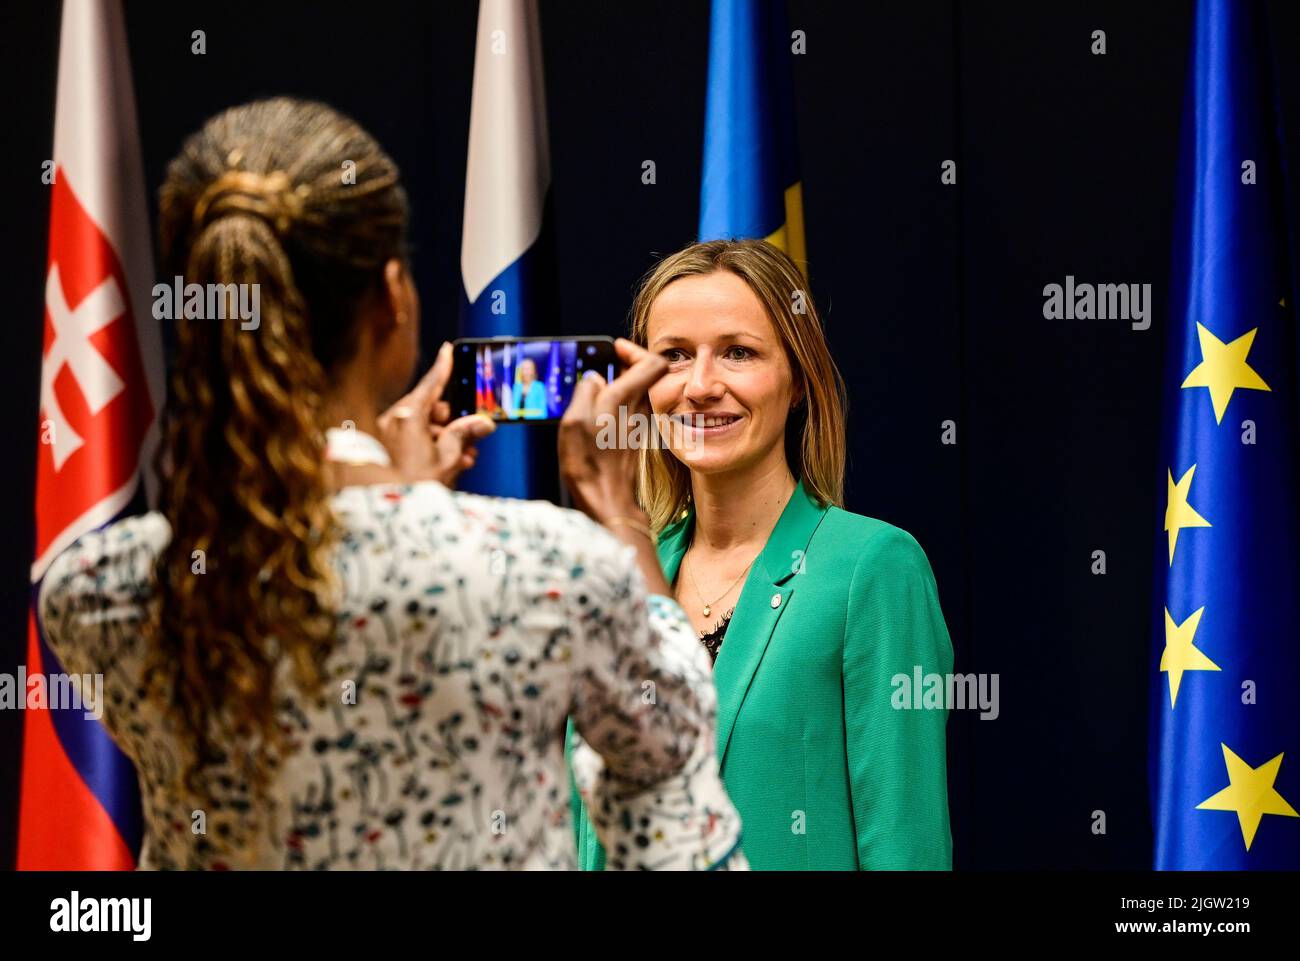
(101, 379)
(101, 387)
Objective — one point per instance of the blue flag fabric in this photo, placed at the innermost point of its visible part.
(1225, 768)
(750, 185)
(554, 375)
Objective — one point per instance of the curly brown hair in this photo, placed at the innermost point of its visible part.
(299, 200)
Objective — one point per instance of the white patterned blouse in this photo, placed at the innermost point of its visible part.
(470, 628)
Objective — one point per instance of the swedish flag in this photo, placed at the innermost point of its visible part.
(750, 185)
(1226, 732)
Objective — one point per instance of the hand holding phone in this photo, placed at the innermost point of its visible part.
(600, 475)
(418, 436)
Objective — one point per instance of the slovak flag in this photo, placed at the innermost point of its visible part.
(101, 388)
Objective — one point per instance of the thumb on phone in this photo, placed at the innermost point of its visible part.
(455, 444)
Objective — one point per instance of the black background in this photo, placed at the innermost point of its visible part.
(932, 294)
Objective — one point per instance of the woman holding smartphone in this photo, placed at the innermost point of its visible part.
(809, 610)
(314, 643)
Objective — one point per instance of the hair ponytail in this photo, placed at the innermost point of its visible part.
(256, 202)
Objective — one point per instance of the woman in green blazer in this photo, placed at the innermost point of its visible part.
(813, 611)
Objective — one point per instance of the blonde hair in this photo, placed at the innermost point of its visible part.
(815, 446)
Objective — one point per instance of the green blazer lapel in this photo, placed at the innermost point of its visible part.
(764, 598)
(672, 544)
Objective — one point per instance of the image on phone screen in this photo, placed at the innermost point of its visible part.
(526, 379)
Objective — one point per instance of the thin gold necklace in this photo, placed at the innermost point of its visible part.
(708, 605)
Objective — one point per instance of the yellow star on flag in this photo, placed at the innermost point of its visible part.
(1223, 369)
(1180, 654)
(1179, 513)
(1250, 793)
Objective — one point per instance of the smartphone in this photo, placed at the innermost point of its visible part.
(524, 380)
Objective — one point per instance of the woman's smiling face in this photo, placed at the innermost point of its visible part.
(729, 384)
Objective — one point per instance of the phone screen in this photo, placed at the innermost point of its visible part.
(525, 379)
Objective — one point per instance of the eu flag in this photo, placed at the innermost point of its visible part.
(1226, 664)
(750, 186)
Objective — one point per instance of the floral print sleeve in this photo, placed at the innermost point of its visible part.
(645, 708)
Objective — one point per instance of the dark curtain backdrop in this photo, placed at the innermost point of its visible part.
(932, 296)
